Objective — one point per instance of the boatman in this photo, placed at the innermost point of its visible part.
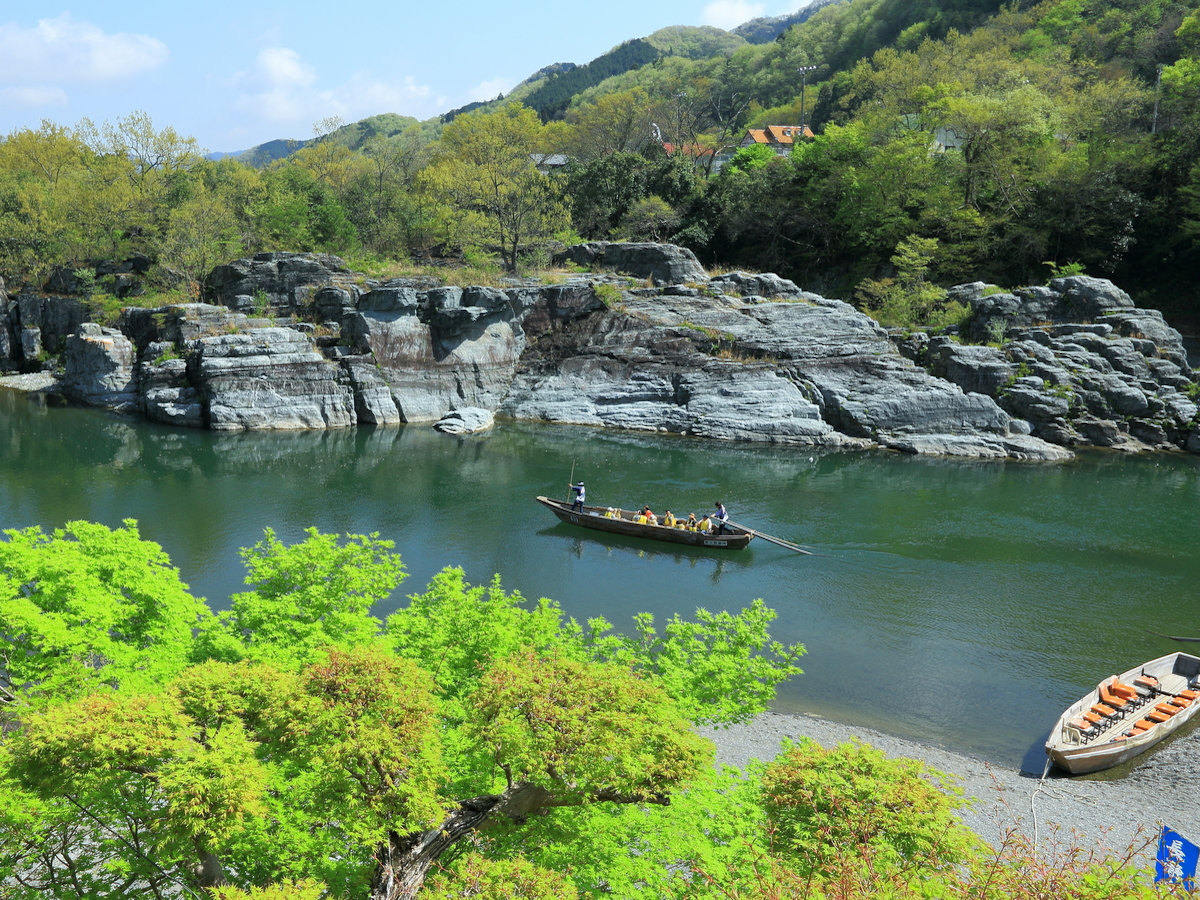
(721, 517)
(580, 496)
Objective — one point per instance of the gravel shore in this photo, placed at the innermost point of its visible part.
(1162, 789)
(36, 381)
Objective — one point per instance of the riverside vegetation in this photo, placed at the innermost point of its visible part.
(473, 744)
(995, 141)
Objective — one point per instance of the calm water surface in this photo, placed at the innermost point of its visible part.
(960, 603)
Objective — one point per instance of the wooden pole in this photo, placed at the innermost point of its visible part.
(770, 539)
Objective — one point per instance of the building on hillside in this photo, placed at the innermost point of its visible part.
(779, 138)
(549, 162)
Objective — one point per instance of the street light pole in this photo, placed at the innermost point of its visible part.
(804, 70)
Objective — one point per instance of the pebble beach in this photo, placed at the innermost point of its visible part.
(1095, 811)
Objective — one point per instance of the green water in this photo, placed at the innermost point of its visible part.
(960, 603)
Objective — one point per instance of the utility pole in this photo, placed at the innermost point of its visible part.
(804, 70)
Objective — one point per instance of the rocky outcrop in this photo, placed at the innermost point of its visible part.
(1078, 362)
(282, 283)
(812, 372)
(468, 420)
(741, 357)
(269, 378)
(662, 263)
(99, 365)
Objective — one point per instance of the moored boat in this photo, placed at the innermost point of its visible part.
(1126, 714)
(622, 522)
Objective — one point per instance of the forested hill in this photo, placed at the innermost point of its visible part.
(955, 141)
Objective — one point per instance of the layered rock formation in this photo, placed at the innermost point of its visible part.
(1078, 361)
(739, 357)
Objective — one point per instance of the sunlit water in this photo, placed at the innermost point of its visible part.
(960, 603)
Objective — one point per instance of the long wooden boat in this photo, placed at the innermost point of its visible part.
(1126, 714)
(597, 518)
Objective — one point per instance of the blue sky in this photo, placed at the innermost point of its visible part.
(234, 75)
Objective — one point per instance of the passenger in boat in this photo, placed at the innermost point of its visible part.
(580, 495)
(668, 519)
(651, 518)
(705, 526)
(721, 517)
(611, 514)
(691, 522)
(640, 518)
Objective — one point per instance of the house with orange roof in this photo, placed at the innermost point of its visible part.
(779, 138)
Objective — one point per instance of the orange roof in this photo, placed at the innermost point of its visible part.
(778, 134)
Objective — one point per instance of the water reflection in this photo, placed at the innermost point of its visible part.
(964, 603)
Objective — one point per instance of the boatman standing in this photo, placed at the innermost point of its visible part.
(721, 517)
(580, 496)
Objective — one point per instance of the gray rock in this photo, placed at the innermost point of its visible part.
(99, 369)
(287, 282)
(271, 379)
(468, 420)
(373, 403)
(662, 263)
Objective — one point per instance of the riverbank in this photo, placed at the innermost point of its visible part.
(36, 381)
(1112, 813)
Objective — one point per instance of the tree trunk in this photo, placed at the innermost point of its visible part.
(404, 861)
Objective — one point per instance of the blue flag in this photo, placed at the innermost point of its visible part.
(1176, 859)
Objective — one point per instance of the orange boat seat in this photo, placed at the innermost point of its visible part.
(1123, 690)
(1143, 725)
(1108, 698)
(1181, 702)
(1190, 694)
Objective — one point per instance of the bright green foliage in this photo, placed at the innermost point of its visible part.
(722, 668)
(909, 300)
(479, 878)
(308, 596)
(87, 605)
(583, 729)
(852, 801)
(486, 175)
(371, 743)
(756, 156)
(304, 889)
(129, 791)
(455, 630)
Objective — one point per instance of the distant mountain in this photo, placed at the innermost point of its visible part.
(551, 88)
(354, 136)
(766, 29)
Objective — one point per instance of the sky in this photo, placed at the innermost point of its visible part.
(234, 75)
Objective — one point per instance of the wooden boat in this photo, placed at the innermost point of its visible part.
(1126, 714)
(596, 517)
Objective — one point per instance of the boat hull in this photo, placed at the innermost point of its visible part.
(1067, 746)
(593, 517)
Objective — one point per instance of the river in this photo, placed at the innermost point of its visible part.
(958, 603)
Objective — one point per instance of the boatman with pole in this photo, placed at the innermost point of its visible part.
(721, 517)
(580, 496)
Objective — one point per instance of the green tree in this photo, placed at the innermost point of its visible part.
(326, 750)
(486, 174)
(85, 606)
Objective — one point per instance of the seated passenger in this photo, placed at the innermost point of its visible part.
(650, 516)
(640, 518)
(668, 519)
(691, 522)
(705, 526)
(611, 514)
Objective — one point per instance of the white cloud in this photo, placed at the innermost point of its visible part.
(64, 50)
(731, 13)
(490, 89)
(282, 88)
(33, 96)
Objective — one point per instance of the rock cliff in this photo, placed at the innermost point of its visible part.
(738, 357)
